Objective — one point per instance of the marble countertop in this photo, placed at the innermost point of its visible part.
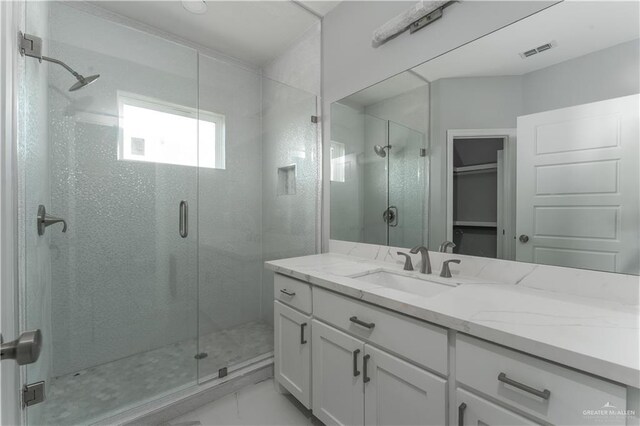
(589, 334)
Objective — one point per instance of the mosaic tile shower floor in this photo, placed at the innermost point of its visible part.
(83, 397)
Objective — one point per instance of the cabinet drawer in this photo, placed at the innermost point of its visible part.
(420, 342)
(522, 381)
(292, 292)
(473, 410)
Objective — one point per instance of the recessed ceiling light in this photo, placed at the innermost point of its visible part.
(195, 6)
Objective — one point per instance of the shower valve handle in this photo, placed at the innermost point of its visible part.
(45, 220)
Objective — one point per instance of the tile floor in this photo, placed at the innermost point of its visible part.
(258, 404)
(94, 393)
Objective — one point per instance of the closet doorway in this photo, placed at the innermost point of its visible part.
(480, 192)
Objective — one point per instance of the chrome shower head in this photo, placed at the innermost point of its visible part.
(380, 150)
(83, 81)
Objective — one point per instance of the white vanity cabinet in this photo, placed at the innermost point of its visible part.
(292, 366)
(355, 383)
(538, 388)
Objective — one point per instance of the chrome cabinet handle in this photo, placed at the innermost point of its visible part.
(356, 373)
(544, 394)
(461, 409)
(368, 325)
(302, 339)
(288, 293)
(183, 225)
(365, 360)
(45, 220)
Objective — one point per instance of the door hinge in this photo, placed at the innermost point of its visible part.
(32, 394)
(315, 119)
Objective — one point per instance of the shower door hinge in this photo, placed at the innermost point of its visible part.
(315, 119)
(30, 45)
(32, 394)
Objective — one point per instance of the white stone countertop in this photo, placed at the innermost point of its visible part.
(597, 336)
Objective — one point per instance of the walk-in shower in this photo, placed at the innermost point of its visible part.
(130, 306)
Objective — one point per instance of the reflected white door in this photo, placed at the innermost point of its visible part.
(577, 180)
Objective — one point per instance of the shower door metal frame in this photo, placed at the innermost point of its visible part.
(12, 375)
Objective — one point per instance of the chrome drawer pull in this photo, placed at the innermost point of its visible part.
(368, 325)
(545, 394)
(461, 409)
(356, 373)
(288, 293)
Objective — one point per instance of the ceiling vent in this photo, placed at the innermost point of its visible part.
(538, 49)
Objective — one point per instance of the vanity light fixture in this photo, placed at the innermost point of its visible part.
(199, 7)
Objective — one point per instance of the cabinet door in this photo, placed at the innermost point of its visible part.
(399, 393)
(473, 410)
(338, 397)
(292, 351)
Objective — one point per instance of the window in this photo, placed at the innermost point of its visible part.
(338, 161)
(155, 131)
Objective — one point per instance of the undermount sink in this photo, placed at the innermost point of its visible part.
(405, 283)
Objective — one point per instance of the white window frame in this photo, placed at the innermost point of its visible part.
(141, 101)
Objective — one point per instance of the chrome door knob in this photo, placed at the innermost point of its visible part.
(25, 349)
(524, 238)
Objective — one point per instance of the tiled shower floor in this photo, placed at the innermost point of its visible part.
(87, 395)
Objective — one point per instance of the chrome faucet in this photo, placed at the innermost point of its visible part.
(446, 272)
(425, 266)
(445, 245)
(408, 266)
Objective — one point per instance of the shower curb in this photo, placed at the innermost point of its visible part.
(182, 402)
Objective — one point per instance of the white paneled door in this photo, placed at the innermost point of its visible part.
(577, 180)
(398, 393)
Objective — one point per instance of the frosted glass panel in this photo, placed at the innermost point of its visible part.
(116, 294)
(406, 185)
(230, 256)
(289, 138)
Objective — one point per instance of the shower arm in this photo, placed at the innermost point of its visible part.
(65, 66)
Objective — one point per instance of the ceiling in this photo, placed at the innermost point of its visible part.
(252, 31)
(576, 27)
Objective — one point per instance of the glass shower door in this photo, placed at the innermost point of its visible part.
(406, 185)
(115, 292)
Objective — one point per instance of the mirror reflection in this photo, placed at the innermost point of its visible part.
(522, 145)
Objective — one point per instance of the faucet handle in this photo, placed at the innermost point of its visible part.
(446, 272)
(445, 245)
(408, 266)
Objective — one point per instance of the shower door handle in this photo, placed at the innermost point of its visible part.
(183, 225)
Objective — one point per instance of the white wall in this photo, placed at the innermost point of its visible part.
(290, 89)
(351, 64)
(605, 74)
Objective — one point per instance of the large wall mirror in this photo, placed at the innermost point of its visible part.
(521, 145)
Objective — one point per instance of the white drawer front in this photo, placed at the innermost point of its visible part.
(292, 292)
(571, 394)
(420, 342)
